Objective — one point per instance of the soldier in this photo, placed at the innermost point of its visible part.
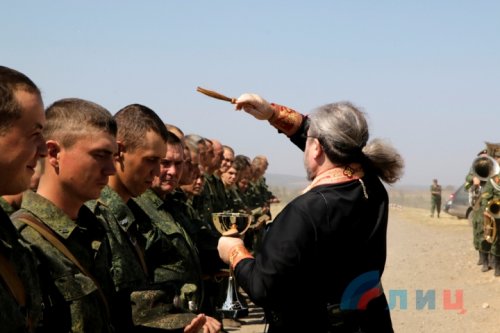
(227, 159)
(253, 202)
(68, 239)
(475, 186)
(259, 165)
(152, 203)
(21, 144)
(490, 200)
(214, 188)
(139, 249)
(177, 199)
(213, 199)
(176, 131)
(218, 153)
(435, 198)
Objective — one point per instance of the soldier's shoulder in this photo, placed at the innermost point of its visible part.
(19, 218)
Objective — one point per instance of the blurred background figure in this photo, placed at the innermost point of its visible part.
(435, 198)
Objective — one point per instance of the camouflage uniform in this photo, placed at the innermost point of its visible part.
(213, 199)
(263, 189)
(258, 196)
(203, 203)
(477, 215)
(74, 302)
(208, 237)
(253, 196)
(183, 214)
(6, 207)
(216, 193)
(203, 234)
(236, 203)
(13, 318)
(435, 199)
(126, 270)
(157, 211)
(492, 192)
(138, 249)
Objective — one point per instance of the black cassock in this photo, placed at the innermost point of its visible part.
(326, 247)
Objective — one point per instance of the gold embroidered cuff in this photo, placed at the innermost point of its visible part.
(285, 119)
(238, 253)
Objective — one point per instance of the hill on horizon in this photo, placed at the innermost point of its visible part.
(295, 182)
(288, 181)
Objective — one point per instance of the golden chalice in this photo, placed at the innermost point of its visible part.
(232, 224)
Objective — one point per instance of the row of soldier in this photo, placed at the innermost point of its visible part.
(118, 236)
(483, 184)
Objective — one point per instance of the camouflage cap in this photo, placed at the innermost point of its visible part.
(150, 308)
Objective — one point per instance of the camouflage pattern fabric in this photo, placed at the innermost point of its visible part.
(19, 254)
(122, 230)
(236, 203)
(149, 309)
(182, 213)
(6, 207)
(131, 237)
(155, 208)
(212, 192)
(75, 304)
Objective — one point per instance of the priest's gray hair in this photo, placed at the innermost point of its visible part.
(342, 130)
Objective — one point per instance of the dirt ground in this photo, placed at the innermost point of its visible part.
(425, 256)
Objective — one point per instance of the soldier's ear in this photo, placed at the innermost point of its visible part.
(53, 151)
(121, 150)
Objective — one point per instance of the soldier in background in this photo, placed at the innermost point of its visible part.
(260, 165)
(254, 202)
(435, 198)
(153, 202)
(490, 198)
(176, 131)
(214, 189)
(213, 199)
(475, 186)
(262, 196)
(22, 145)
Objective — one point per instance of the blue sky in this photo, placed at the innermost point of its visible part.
(427, 73)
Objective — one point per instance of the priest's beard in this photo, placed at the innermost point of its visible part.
(309, 172)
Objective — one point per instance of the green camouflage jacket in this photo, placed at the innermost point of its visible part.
(263, 189)
(6, 207)
(156, 209)
(18, 253)
(183, 213)
(122, 232)
(490, 192)
(236, 203)
(74, 301)
(218, 197)
(133, 241)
